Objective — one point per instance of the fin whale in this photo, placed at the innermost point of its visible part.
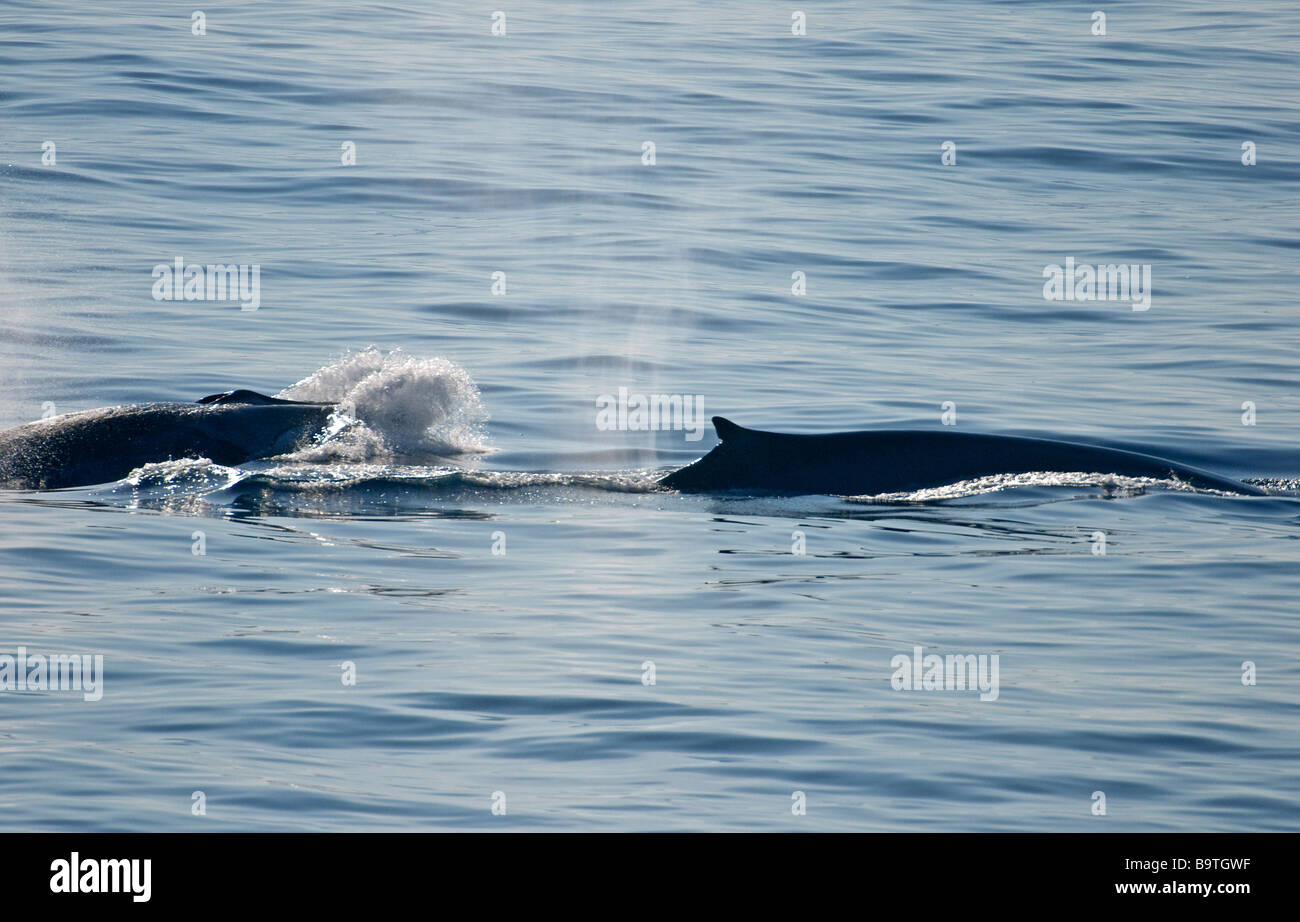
(100, 446)
(899, 461)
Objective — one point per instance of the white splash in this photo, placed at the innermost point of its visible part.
(393, 403)
(1110, 484)
(189, 474)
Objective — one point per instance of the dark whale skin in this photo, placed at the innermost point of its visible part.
(901, 461)
(104, 445)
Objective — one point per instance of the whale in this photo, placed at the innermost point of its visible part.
(873, 462)
(104, 445)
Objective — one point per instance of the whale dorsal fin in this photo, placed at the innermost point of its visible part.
(241, 396)
(726, 429)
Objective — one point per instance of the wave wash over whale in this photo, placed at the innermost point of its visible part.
(99, 446)
(901, 461)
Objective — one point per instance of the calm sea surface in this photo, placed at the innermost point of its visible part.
(532, 627)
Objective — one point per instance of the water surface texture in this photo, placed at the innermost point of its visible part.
(541, 638)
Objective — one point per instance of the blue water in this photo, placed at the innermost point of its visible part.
(522, 673)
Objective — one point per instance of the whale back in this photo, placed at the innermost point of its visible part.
(898, 461)
(103, 445)
(245, 396)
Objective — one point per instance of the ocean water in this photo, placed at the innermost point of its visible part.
(505, 586)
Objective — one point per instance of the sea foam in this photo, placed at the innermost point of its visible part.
(394, 403)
